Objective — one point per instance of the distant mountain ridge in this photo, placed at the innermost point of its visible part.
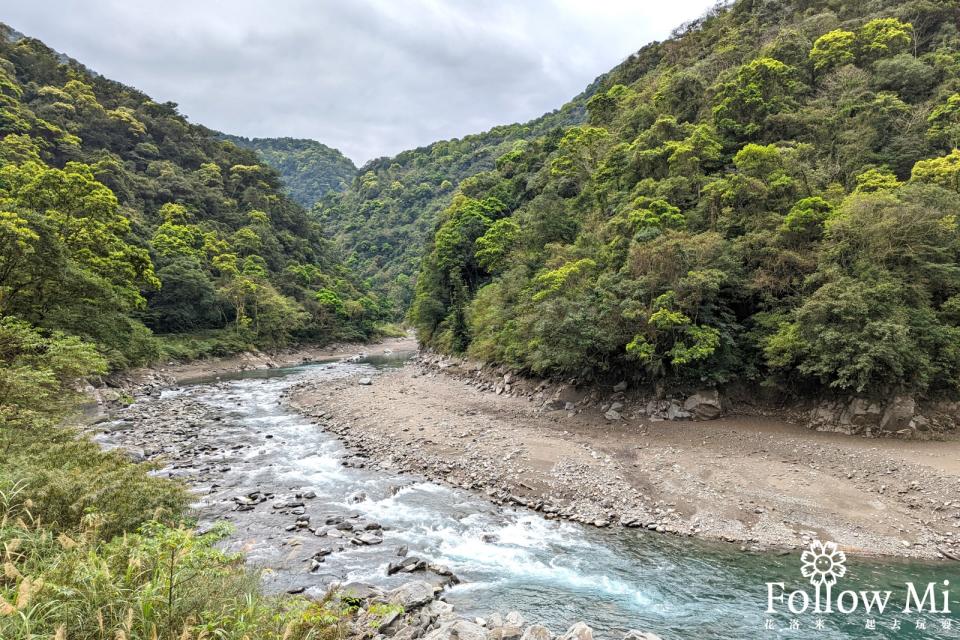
(309, 169)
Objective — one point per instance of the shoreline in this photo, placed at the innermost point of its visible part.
(876, 498)
(757, 482)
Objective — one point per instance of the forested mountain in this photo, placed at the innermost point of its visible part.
(309, 169)
(771, 196)
(390, 210)
(118, 217)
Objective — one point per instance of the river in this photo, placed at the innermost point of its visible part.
(233, 436)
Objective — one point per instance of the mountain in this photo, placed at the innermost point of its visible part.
(121, 220)
(387, 215)
(309, 169)
(768, 197)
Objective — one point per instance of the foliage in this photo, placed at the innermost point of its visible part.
(758, 198)
(309, 169)
(118, 218)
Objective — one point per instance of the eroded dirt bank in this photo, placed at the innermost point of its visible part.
(757, 482)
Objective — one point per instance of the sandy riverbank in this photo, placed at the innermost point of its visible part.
(756, 482)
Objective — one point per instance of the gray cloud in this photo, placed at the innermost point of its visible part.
(370, 77)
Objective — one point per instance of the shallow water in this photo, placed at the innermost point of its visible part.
(553, 572)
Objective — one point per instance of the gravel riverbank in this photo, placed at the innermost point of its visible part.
(755, 482)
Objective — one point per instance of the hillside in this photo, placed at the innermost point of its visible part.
(121, 219)
(309, 169)
(769, 197)
(385, 218)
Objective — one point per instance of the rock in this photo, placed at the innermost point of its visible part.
(633, 634)
(674, 412)
(898, 414)
(616, 406)
(360, 591)
(402, 551)
(359, 496)
(413, 595)
(579, 631)
(407, 565)
(704, 404)
(365, 381)
(537, 632)
(457, 630)
(612, 415)
(620, 386)
(134, 455)
(369, 539)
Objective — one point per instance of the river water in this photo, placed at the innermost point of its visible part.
(552, 572)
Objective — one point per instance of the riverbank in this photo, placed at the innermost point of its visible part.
(757, 482)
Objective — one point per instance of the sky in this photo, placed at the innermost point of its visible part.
(368, 77)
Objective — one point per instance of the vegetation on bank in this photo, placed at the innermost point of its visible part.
(126, 235)
(769, 196)
(120, 220)
(93, 546)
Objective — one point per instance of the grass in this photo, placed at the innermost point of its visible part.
(93, 547)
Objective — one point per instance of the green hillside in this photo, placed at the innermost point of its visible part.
(309, 170)
(770, 196)
(386, 217)
(120, 219)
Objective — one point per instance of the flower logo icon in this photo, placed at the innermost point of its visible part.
(823, 563)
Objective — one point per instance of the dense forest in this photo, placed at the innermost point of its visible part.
(309, 169)
(388, 214)
(769, 196)
(120, 220)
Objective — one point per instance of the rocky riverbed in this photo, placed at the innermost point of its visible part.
(420, 478)
(752, 481)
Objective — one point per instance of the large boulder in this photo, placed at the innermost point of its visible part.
(457, 630)
(412, 595)
(898, 414)
(704, 404)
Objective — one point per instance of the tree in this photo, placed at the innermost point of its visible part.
(760, 89)
(833, 49)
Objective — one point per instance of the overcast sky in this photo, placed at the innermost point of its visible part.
(369, 77)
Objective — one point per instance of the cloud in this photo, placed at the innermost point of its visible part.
(370, 77)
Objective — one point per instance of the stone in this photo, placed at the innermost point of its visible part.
(616, 406)
(620, 386)
(458, 630)
(365, 382)
(369, 539)
(704, 404)
(633, 634)
(413, 595)
(612, 415)
(408, 564)
(356, 497)
(674, 412)
(579, 631)
(537, 632)
(898, 414)
(360, 591)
